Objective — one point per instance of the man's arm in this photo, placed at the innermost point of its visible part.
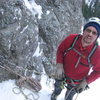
(93, 76)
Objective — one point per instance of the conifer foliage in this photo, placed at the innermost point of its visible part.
(91, 9)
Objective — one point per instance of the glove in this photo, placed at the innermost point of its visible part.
(59, 72)
(82, 86)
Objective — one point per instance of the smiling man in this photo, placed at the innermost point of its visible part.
(89, 36)
(76, 55)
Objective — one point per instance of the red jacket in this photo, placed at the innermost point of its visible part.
(70, 59)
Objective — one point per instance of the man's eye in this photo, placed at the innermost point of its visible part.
(94, 33)
(88, 30)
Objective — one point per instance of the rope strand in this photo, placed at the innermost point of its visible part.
(68, 93)
(21, 90)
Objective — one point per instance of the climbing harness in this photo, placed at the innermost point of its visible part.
(74, 87)
(81, 55)
(72, 81)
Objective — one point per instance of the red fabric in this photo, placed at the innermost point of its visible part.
(70, 59)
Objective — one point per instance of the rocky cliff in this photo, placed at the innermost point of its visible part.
(30, 41)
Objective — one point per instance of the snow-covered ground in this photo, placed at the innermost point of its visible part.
(8, 90)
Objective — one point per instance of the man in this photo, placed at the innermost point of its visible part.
(76, 55)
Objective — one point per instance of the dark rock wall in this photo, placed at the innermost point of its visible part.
(30, 42)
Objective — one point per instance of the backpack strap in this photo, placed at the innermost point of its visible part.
(72, 45)
(91, 53)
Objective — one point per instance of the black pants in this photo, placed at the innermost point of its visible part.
(69, 93)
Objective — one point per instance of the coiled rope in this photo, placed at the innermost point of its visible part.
(30, 96)
(29, 81)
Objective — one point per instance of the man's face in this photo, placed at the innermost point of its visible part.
(90, 34)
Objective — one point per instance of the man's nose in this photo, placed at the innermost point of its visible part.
(91, 33)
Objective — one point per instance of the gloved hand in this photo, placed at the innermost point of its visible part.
(59, 72)
(82, 86)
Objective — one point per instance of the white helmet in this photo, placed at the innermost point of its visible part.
(94, 20)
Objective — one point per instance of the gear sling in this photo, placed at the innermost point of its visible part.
(88, 58)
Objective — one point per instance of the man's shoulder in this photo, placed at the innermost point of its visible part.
(73, 35)
(97, 53)
(69, 39)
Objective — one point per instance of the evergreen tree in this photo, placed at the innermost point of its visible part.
(91, 9)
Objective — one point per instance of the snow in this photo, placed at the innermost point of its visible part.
(48, 12)
(9, 91)
(34, 8)
(99, 41)
(24, 29)
(88, 2)
(6, 92)
(38, 51)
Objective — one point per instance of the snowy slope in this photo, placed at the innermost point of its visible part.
(7, 89)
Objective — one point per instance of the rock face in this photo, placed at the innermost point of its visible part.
(30, 42)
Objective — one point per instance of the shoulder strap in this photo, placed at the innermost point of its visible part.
(91, 53)
(72, 45)
(75, 39)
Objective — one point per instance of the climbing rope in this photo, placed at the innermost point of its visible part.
(76, 96)
(26, 82)
(70, 92)
(18, 90)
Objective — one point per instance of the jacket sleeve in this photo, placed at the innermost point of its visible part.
(95, 74)
(60, 52)
(64, 45)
